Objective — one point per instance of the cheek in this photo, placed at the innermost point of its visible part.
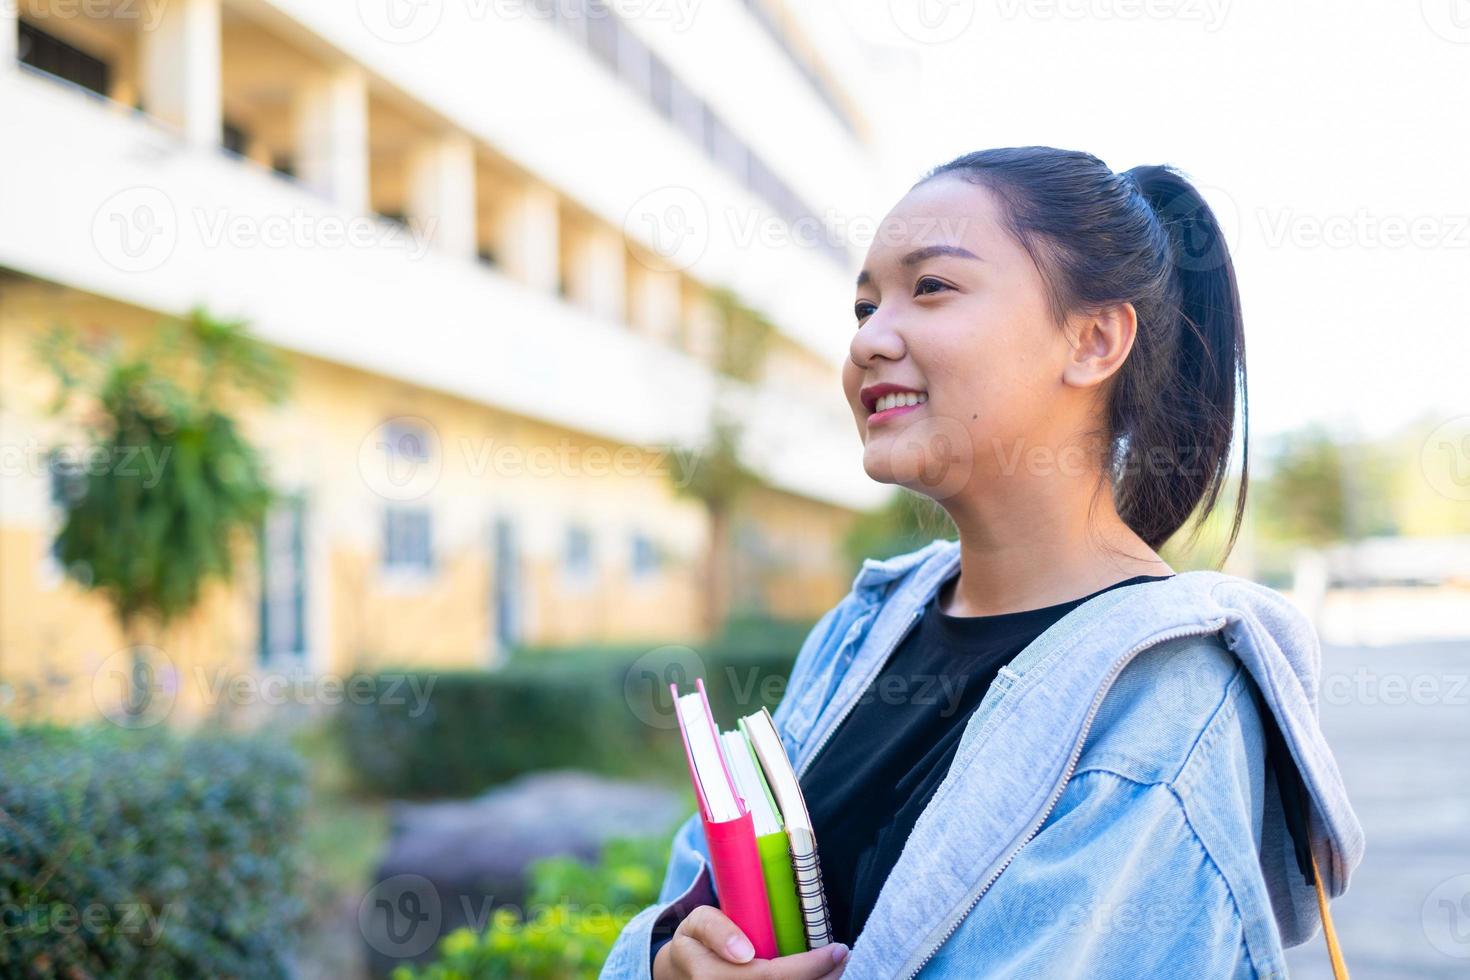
(851, 381)
(993, 373)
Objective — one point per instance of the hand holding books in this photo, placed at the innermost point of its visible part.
(708, 946)
(762, 849)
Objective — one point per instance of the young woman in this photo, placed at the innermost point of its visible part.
(1038, 751)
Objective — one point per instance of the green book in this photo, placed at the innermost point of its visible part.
(770, 841)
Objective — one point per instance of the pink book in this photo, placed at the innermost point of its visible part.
(728, 827)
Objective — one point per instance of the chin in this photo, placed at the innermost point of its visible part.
(877, 464)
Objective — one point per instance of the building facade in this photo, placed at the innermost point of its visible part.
(498, 242)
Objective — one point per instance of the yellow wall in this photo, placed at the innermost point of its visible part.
(56, 640)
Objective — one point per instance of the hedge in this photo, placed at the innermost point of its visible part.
(573, 916)
(605, 709)
(147, 854)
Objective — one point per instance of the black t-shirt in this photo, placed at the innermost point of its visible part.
(879, 770)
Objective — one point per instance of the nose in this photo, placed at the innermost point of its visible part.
(878, 337)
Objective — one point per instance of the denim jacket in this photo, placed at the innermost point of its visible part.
(1108, 812)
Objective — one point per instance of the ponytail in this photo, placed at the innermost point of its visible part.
(1145, 237)
(1188, 414)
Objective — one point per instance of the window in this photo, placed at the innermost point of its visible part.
(727, 149)
(571, 17)
(68, 479)
(68, 482)
(55, 57)
(593, 24)
(602, 33)
(234, 138)
(507, 593)
(661, 87)
(712, 132)
(408, 539)
(687, 110)
(634, 62)
(409, 447)
(282, 630)
(645, 559)
(577, 553)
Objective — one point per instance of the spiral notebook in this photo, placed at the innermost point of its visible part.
(760, 730)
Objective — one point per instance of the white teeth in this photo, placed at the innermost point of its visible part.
(899, 398)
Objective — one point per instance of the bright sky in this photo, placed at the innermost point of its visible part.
(1334, 138)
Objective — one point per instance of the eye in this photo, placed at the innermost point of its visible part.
(863, 309)
(928, 284)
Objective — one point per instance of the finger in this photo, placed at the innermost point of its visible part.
(716, 932)
(841, 969)
(814, 964)
(691, 958)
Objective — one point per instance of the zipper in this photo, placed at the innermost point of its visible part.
(811, 756)
(1056, 793)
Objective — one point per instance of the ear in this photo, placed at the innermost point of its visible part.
(1100, 343)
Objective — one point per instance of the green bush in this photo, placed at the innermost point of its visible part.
(602, 709)
(146, 854)
(573, 915)
(480, 728)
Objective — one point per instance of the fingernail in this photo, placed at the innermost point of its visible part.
(839, 952)
(740, 948)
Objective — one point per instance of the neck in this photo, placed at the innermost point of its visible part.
(1026, 544)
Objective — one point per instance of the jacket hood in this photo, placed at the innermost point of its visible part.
(1275, 642)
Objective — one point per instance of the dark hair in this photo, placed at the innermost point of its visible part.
(1146, 237)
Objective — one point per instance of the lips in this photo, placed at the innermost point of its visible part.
(897, 410)
(889, 400)
(880, 397)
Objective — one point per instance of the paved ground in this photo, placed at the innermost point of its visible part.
(1398, 718)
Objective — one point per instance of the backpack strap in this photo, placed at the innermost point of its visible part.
(1334, 952)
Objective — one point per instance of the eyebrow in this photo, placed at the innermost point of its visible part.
(923, 254)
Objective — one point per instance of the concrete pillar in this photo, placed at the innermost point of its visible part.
(180, 69)
(9, 38)
(332, 137)
(653, 301)
(528, 243)
(597, 273)
(441, 194)
(126, 76)
(702, 330)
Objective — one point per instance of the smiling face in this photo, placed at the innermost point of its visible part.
(949, 304)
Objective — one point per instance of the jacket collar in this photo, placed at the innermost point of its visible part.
(878, 572)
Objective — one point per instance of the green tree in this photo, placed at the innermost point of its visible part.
(167, 486)
(1303, 499)
(714, 474)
